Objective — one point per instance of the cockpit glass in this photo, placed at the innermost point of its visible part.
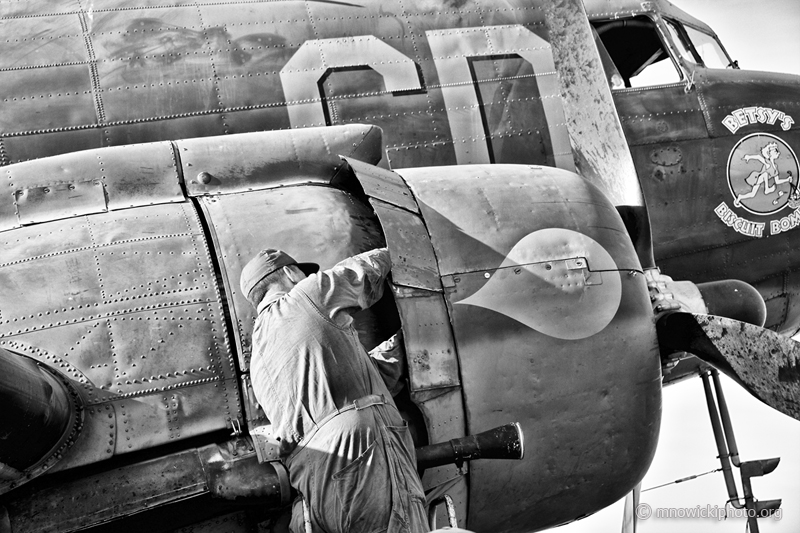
(679, 43)
(709, 49)
(697, 46)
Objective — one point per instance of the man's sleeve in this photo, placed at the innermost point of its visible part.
(390, 358)
(353, 284)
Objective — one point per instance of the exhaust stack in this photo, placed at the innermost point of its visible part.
(504, 442)
(40, 415)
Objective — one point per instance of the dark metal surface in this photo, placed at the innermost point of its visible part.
(734, 299)
(549, 301)
(37, 407)
(763, 362)
(228, 471)
(382, 184)
(413, 259)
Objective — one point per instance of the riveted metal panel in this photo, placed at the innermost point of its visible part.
(142, 174)
(430, 348)
(249, 44)
(155, 62)
(383, 185)
(616, 9)
(51, 98)
(59, 200)
(236, 163)
(126, 304)
(172, 414)
(91, 181)
(40, 41)
(660, 114)
(35, 7)
(20, 148)
(734, 101)
(311, 223)
(413, 259)
(434, 378)
(97, 440)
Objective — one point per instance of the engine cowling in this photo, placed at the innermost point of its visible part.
(551, 326)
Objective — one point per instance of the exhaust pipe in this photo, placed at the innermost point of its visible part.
(504, 442)
(39, 414)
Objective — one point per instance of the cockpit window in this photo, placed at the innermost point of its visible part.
(709, 49)
(698, 47)
(637, 51)
(680, 42)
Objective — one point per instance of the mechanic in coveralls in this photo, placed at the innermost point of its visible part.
(347, 449)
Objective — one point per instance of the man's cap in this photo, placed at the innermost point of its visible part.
(265, 263)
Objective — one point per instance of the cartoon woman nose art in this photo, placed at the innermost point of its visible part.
(769, 171)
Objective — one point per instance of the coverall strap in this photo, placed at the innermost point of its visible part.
(358, 404)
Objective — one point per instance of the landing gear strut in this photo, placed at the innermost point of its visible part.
(729, 453)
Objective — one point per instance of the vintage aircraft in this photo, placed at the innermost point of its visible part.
(449, 130)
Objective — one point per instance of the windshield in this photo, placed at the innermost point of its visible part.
(697, 46)
(710, 51)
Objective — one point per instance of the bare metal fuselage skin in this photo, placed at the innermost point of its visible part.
(520, 294)
(112, 74)
(147, 252)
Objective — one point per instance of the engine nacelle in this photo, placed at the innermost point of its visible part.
(518, 290)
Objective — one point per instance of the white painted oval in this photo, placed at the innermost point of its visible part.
(557, 304)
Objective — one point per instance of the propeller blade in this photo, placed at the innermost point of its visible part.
(765, 363)
(600, 149)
